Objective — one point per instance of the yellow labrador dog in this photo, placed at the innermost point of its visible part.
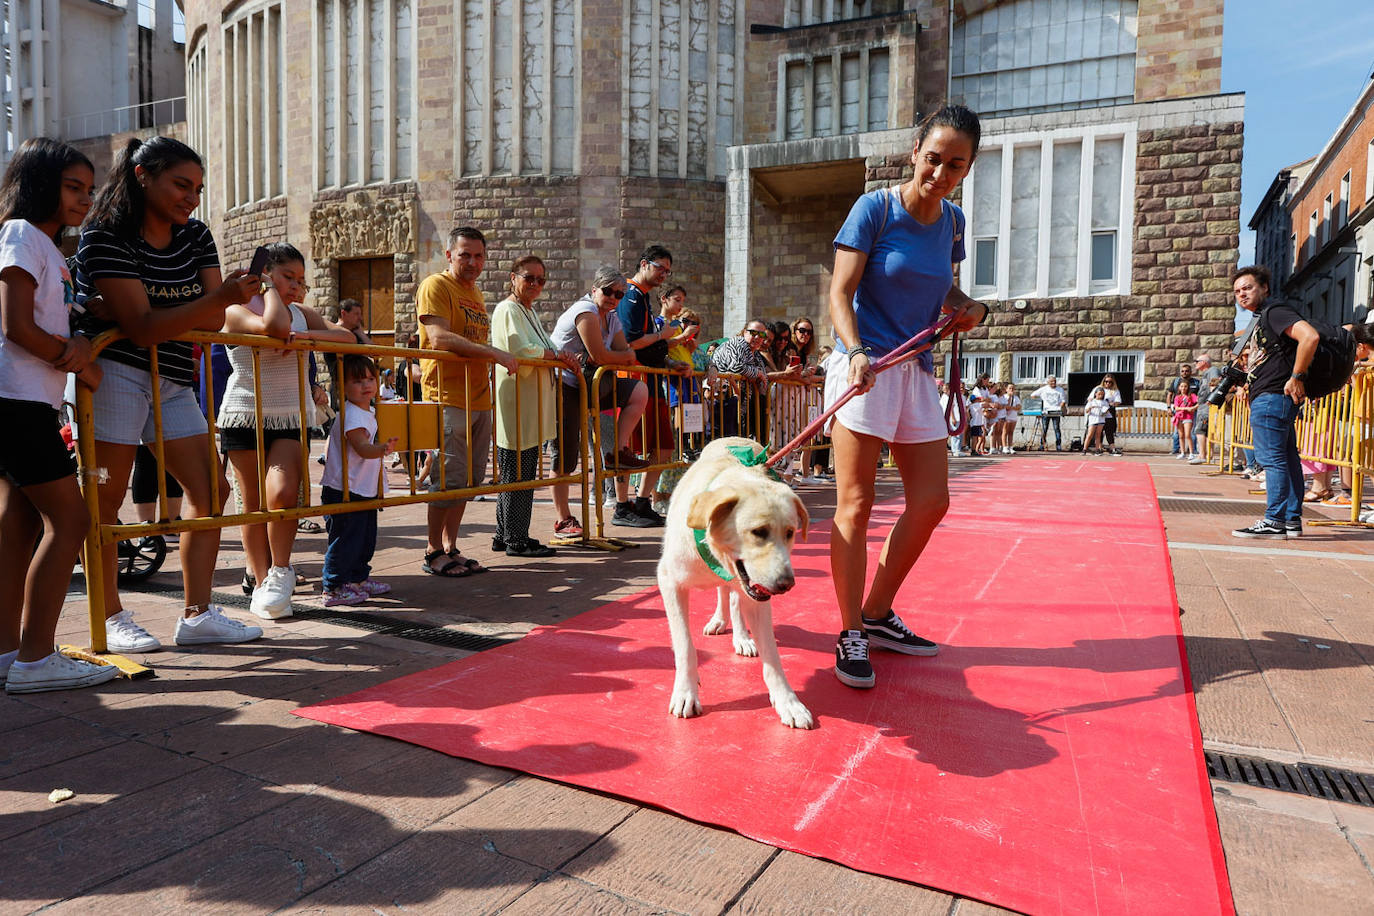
(730, 527)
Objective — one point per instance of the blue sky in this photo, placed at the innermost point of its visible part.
(1301, 64)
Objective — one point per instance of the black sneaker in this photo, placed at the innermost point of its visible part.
(498, 544)
(852, 666)
(891, 633)
(1292, 529)
(644, 508)
(626, 517)
(1262, 529)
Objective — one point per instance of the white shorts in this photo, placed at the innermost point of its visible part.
(902, 407)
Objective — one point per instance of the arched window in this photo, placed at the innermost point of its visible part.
(1029, 56)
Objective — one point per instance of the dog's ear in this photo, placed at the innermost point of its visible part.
(804, 519)
(710, 506)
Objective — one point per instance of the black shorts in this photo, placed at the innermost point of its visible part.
(32, 451)
(975, 431)
(245, 438)
(567, 449)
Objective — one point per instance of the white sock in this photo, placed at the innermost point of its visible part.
(17, 665)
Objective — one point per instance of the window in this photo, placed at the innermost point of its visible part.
(198, 113)
(680, 75)
(1369, 174)
(254, 106)
(365, 85)
(1326, 222)
(1117, 362)
(1312, 227)
(1293, 246)
(1059, 202)
(1031, 56)
(1035, 368)
(1343, 205)
(809, 12)
(858, 79)
(972, 365)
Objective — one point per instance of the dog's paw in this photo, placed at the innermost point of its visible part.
(792, 713)
(715, 626)
(684, 703)
(745, 646)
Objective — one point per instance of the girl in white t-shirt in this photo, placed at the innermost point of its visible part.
(1012, 414)
(997, 420)
(353, 535)
(46, 188)
(1096, 412)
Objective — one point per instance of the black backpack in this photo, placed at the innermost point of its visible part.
(1333, 363)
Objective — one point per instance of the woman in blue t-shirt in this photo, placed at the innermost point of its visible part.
(894, 275)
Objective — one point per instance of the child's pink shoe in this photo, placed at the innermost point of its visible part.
(345, 595)
(372, 588)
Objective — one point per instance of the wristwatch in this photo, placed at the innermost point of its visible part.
(1300, 376)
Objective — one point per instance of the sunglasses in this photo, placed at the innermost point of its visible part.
(533, 278)
(803, 330)
(666, 270)
(613, 293)
(753, 333)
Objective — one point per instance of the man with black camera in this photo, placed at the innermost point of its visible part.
(1284, 345)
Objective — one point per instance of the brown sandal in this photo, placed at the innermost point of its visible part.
(1315, 496)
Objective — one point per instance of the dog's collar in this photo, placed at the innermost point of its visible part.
(721, 571)
(750, 458)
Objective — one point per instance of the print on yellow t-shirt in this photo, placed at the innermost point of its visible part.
(465, 309)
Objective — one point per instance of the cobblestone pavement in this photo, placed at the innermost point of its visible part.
(198, 791)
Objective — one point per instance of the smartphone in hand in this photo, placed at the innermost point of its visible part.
(794, 361)
(259, 265)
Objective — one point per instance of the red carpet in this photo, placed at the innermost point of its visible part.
(1048, 760)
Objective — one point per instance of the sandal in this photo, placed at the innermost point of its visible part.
(529, 548)
(1313, 496)
(1341, 501)
(471, 565)
(309, 526)
(447, 570)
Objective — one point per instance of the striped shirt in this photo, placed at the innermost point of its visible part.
(737, 356)
(171, 277)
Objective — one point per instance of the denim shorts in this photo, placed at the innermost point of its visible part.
(123, 407)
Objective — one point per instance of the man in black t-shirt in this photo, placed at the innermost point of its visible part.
(1284, 346)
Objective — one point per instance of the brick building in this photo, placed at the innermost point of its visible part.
(737, 133)
(1275, 242)
(1329, 211)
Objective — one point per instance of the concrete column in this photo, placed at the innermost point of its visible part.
(739, 195)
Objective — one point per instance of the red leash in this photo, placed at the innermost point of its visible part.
(917, 345)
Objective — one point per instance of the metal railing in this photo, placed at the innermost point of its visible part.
(124, 118)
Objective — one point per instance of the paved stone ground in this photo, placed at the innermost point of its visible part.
(198, 791)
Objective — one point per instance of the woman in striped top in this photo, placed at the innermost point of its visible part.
(145, 266)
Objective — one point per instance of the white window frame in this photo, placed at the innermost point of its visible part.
(1369, 174)
(1114, 358)
(253, 113)
(1088, 136)
(1042, 372)
(1313, 227)
(1326, 220)
(970, 365)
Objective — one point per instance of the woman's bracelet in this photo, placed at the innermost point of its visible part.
(866, 351)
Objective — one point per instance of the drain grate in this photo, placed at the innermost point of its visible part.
(1298, 778)
(1210, 506)
(419, 632)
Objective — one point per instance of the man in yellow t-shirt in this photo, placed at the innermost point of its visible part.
(453, 317)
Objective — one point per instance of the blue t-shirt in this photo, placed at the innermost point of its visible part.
(909, 270)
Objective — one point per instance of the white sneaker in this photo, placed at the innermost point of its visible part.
(1197, 459)
(57, 672)
(123, 635)
(214, 627)
(272, 597)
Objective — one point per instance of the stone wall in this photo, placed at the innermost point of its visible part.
(247, 227)
(687, 218)
(791, 259)
(1178, 52)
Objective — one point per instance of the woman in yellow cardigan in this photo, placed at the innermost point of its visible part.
(526, 405)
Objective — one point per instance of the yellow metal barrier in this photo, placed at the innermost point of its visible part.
(408, 416)
(1337, 430)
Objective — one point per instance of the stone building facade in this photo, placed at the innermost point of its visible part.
(737, 133)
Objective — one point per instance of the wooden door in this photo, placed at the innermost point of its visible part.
(372, 282)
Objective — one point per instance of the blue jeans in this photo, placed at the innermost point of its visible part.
(352, 541)
(1045, 422)
(1272, 423)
